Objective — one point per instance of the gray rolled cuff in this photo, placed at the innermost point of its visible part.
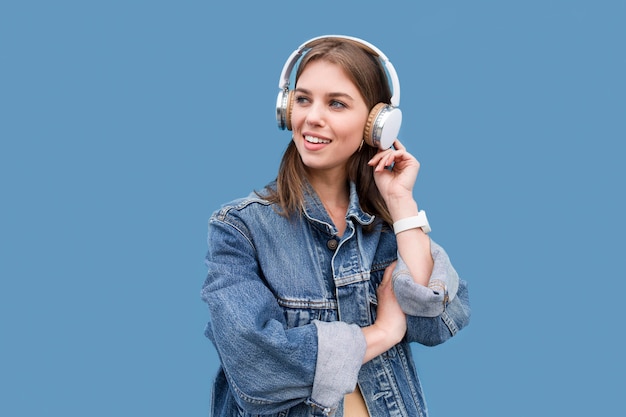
(341, 348)
(418, 300)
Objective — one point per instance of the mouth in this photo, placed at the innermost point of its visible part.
(316, 140)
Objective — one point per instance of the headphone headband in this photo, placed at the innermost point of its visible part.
(285, 75)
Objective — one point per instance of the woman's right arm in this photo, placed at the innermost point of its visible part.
(270, 366)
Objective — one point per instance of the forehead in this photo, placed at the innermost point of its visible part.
(326, 75)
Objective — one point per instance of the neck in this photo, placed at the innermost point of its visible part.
(330, 184)
(332, 192)
(335, 196)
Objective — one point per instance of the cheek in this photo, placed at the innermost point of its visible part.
(356, 128)
(297, 117)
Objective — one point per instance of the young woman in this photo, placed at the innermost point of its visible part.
(318, 282)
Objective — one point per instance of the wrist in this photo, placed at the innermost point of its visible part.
(379, 339)
(382, 336)
(402, 208)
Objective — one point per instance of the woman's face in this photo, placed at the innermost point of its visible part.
(328, 117)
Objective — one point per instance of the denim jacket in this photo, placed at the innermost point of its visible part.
(287, 298)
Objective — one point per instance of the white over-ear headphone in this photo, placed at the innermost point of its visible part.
(384, 120)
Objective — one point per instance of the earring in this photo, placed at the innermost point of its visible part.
(361, 145)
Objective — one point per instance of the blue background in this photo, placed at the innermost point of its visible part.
(124, 124)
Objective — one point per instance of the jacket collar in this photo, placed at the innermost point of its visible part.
(314, 209)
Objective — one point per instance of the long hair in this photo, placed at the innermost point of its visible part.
(367, 73)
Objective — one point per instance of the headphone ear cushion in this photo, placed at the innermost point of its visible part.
(370, 125)
(382, 126)
(290, 100)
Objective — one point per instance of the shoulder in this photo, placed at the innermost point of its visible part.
(251, 202)
(252, 207)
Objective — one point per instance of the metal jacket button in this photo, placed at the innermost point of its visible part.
(332, 244)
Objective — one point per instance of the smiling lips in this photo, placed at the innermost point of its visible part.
(316, 140)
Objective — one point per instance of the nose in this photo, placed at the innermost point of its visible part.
(315, 115)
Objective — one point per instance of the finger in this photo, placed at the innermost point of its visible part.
(394, 157)
(375, 159)
(385, 162)
(380, 160)
(398, 145)
(388, 160)
(379, 155)
(389, 272)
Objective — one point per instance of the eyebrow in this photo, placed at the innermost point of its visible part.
(330, 95)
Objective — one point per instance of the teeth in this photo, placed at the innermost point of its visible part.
(313, 139)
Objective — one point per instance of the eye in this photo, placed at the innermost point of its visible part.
(301, 99)
(337, 104)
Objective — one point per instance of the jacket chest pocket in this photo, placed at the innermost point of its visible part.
(302, 312)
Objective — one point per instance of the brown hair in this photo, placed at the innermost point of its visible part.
(366, 71)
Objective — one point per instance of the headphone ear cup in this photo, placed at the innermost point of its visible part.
(284, 105)
(281, 109)
(290, 100)
(382, 126)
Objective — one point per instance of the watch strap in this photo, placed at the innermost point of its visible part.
(413, 222)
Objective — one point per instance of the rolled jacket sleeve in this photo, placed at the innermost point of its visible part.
(336, 369)
(418, 300)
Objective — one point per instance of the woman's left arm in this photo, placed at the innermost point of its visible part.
(426, 285)
(395, 172)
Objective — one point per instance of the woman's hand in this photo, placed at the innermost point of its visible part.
(389, 315)
(396, 183)
(390, 325)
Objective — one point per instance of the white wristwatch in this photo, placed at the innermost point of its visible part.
(412, 223)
